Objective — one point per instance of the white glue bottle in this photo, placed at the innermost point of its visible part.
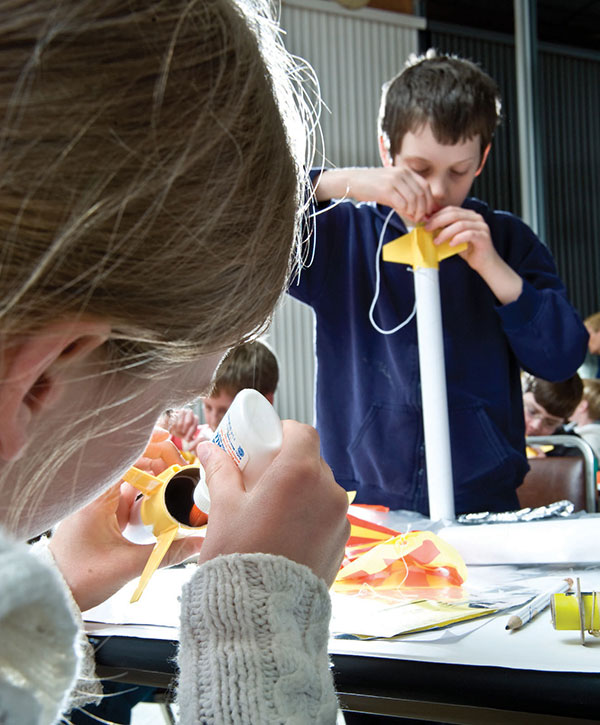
(251, 434)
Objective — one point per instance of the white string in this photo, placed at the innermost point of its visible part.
(377, 286)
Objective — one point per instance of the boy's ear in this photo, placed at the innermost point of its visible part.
(33, 373)
(484, 156)
(384, 153)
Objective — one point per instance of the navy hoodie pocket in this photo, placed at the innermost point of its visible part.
(385, 450)
(479, 449)
(387, 455)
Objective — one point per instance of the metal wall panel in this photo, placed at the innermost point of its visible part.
(570, 128)
(571, 167)
(353, 53)
(499, 183)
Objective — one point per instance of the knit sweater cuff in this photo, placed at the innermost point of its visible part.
(38, 661)
(87, 689)
(254, 633)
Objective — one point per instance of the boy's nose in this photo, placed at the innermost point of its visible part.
(438, 190)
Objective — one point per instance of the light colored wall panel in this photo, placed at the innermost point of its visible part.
(353, 54)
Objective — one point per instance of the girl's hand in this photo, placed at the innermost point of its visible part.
(296, 509)
(94, 557)
(160, 453)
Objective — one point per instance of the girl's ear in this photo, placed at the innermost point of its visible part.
(33, 373)
(484, 156)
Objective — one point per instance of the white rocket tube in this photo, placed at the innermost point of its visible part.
(434, 394)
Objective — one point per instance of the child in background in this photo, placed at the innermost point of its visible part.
(586, 415)
(503, 306)
(133, 133)
(591, 365)
(547, 406)
(250, 365)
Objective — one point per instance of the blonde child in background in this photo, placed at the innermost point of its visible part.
(132, 136)
(591, 365)
(586, 415)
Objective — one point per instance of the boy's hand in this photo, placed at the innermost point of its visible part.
(396, 186)
(184, 423)
(457, 226)
(296, 509)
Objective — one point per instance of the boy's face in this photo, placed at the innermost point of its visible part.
(215, 408)
(449, 169)
(538, 422)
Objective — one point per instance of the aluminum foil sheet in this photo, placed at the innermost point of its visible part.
(553, 510)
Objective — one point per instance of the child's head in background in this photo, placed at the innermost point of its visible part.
(588, 410)
(547, 405)
(437, 118)
(250, 365)
(452, 95)
(592, 323)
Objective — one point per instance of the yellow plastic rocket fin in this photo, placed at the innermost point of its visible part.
(163, 541)
(144, 482)
(417, 249)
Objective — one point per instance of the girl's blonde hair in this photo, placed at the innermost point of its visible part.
(152, 156)
(147, 178)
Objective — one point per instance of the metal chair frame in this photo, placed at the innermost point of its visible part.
(589, 459)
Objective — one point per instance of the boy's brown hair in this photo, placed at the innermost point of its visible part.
(455, 96)
(250, 365)
(558, 399)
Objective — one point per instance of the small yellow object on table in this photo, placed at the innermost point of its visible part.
(577, 610)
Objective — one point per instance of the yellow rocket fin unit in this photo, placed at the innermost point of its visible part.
(418, 249)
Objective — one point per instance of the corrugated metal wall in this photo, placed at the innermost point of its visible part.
(353, 53)
(571, 163)
(499, 183)
(570, 119)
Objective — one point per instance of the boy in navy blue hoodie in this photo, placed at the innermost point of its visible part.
(503, 306)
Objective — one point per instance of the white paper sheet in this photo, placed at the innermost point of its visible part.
(537, 646)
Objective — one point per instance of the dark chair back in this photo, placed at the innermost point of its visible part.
(555, 478)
